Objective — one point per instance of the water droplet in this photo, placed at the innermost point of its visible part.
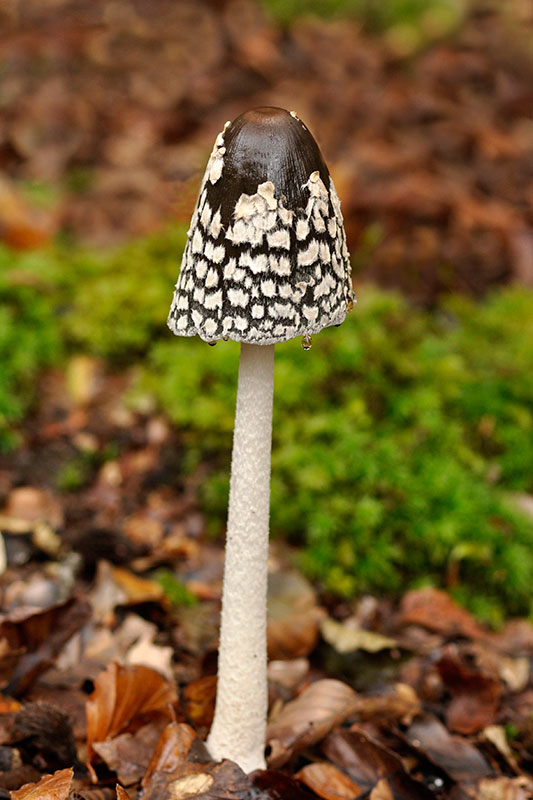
(211, 344)
(307, 342)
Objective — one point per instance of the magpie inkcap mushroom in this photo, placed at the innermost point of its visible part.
(265, 261)
(266, 257)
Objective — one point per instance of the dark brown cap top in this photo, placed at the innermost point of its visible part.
(266, 257)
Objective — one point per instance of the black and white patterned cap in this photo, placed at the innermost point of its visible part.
(266, 257)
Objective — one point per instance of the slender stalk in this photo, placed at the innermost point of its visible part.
(238, 730)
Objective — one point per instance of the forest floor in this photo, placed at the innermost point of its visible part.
(111, 590)
(108, 643)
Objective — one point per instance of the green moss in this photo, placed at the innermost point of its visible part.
(174, 590)
(395, 440)
(423, 18)
(29, 341)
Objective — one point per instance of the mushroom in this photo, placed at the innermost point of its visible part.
(265, 261)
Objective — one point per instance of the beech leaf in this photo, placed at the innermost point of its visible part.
(309, 718)
(50, 787)
(328, 782)
(123, 694)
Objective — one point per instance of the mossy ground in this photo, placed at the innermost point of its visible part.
(400, 439)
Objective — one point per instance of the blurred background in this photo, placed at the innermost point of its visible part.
(403, 442)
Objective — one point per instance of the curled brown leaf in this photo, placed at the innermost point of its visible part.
(328, 782)
(308, 718)
(122, 696)
(50, 787)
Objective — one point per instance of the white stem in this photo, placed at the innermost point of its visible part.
(238, 730)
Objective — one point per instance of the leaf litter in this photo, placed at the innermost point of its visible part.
(118, 680)
(107, 682)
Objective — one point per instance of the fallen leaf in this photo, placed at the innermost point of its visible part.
(361, 756)
(435, 610)
(496, 737)
(169, 754)
(328, 782)
(347, 639)
(38, 637)
(367, 761)
(381, 791)
(30, 504)
(460, 759)
(122, 793)
(399, 704)
(129, 753)
(308, 718)
(115, 586)
(123, 695)
(515, 672)
(475, 696)
(190, 785)
(505, 789)
(50, 787)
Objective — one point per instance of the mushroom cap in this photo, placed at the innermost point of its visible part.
(266, 257)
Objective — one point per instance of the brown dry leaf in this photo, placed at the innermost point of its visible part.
(475, 696)
(505, 789)
(328, 782)
(115, 586)
(122, 793)
(38, 637)
(50, 787)
(136, 590)
(400, 704)
(309, 718)
(169, 754)
(460, 759)
(381, 791)
(496, 741)
(31, 504)
(190, 785)
(361, 756)
(123, 695)
(366, 760)
(435, 610)
(129, 754)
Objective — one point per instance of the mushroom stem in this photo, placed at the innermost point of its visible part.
(238, 730)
